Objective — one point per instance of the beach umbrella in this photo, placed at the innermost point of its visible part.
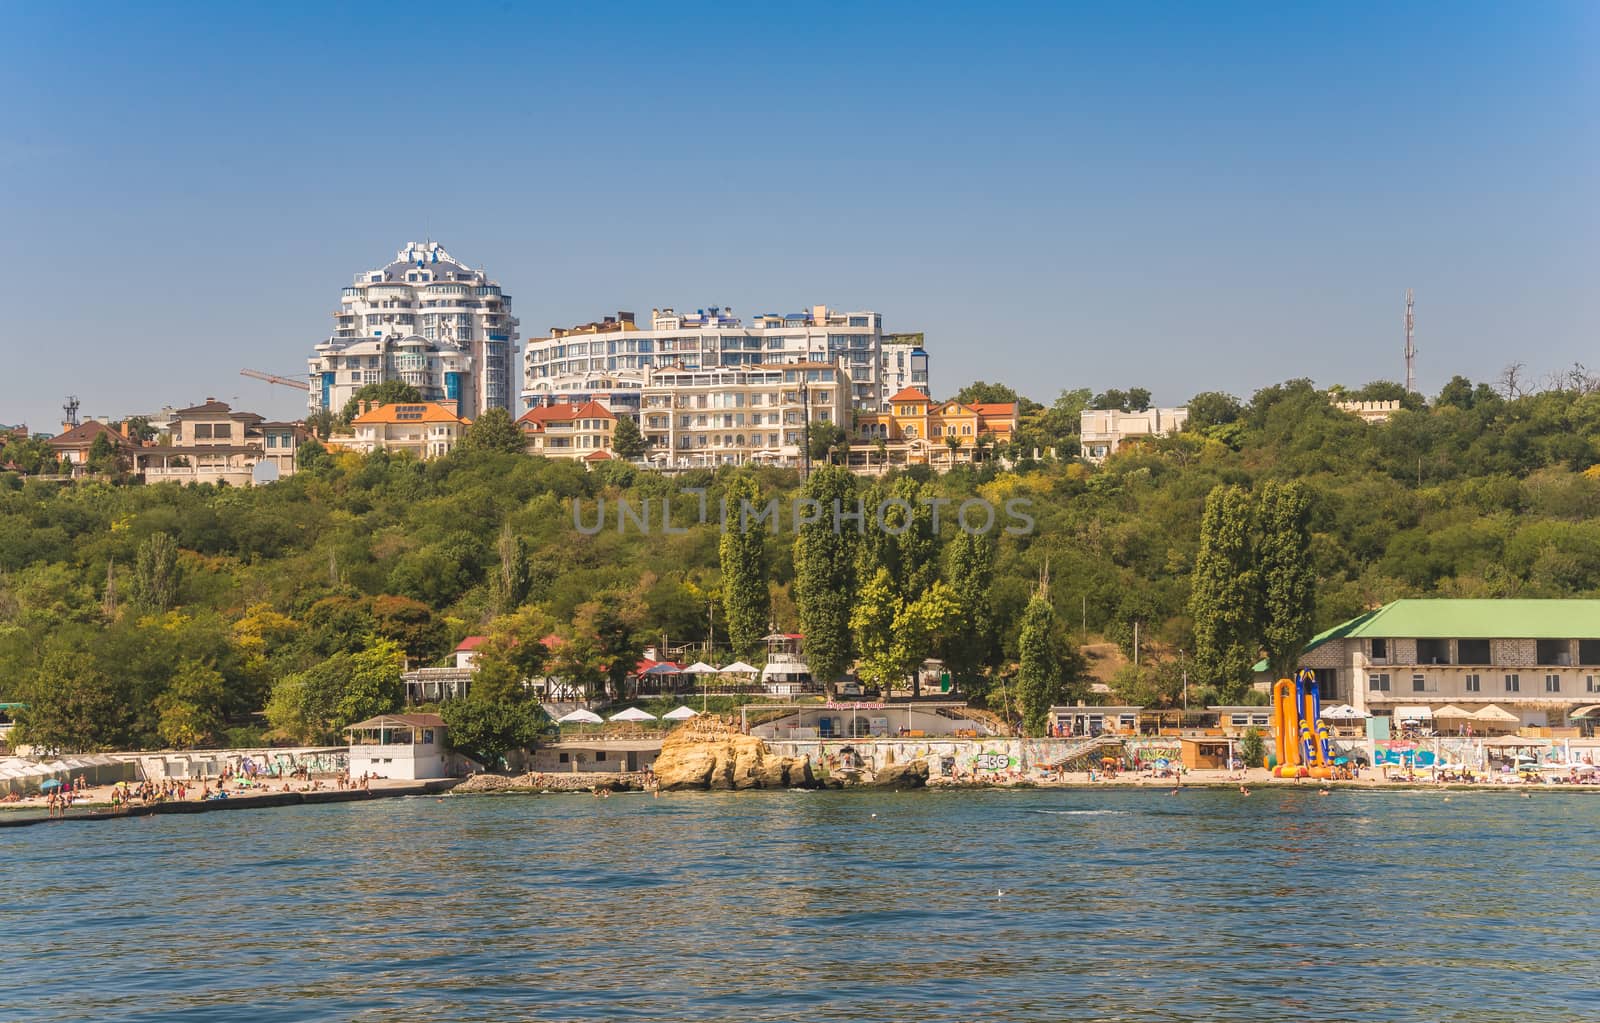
(738, 668)
(700, 668)
(633, 714)
(664, 668)
(580, 717)
(48, 784)
(680, 714)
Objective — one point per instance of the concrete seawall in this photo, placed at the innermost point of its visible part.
(255, 801)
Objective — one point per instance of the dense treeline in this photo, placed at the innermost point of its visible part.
(159, 615)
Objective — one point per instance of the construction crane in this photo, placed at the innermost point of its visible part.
(1411, 350)
(272, 378)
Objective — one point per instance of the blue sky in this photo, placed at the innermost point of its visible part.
(1178, 196)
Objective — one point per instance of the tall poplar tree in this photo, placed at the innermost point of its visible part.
(1224, 594)
(154, 587)
(969, 647)
(746, 600)
(825, 580)
(1288, 578)
(1042, 670)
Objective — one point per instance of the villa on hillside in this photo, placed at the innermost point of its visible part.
(913, 429)
(1537, 659)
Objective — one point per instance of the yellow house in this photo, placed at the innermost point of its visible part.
(916, 430)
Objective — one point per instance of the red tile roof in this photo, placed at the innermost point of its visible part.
(471, 643)
(912, 394)
(998, 409)
(564, 413)
(597, 456)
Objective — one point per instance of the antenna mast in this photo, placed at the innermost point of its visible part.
(1411, 350)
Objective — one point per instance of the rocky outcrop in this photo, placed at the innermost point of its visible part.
(562, 781)
(708, 753)
(908, 774)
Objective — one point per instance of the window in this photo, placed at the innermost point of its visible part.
(1513, 683)
(1589, 651)
(1378, 683)
(1552, 683)
(600, 755)
(1419, 683)
(1327, 683)
(1554, 651)
(566, 758)
(1433, 651)
(1240, 719)
(1474, 683)
(1590, 684)
(1380, 649)
(1472, 651)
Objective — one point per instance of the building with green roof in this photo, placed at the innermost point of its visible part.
(1537, 659)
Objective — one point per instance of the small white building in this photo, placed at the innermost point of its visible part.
(1103, 431)
(405, 747)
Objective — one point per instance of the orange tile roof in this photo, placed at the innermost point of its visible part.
(564, 413)
(416, 412)
(911, 394)
(995, 408)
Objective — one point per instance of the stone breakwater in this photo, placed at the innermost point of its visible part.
(564, 781)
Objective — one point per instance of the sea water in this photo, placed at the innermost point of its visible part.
(968, 905)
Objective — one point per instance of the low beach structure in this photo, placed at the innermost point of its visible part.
(574, 755)
(909, 718)
(409, 747)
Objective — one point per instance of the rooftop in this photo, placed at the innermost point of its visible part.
(404, 412)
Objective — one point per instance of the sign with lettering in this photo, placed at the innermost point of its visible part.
(993, 762)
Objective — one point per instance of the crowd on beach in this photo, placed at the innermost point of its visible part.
(231, 783)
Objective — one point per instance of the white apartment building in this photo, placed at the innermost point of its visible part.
(428, 319)
(1102, 431)
(615, 356)
(904, 363)
(730, 416)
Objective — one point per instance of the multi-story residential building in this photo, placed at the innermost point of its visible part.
(1537, 659)
(1103, 431)
(615, 356)
(213, 443)
(568, 431)
(916, 430)
(733, 415)
(428, 319)
(904, 364)
(427, 430)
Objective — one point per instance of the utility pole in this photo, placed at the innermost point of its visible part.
(1135, 644)
(1411, 350)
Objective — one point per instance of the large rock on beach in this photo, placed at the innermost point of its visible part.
(908, 774)
(708, 753)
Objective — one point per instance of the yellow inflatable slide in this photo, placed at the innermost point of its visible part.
(1302, 735)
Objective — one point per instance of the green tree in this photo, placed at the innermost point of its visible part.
(1253, 748)
(980, 392)
(391, 392)
(969, 647)
(895, 634)
(627, 441)
(1213, 408)
(512, 654)
(410, 625)
(509, 584)
(823, 440)
(139, 429)
(72, 706)
(486, 730)
(494, 430)
(316, 704)
(742, 553)
(154, 587)
(1224, 593)
(1288, 576)
(312, 457)
(824, 565)
(1044, 670)
(191, 708)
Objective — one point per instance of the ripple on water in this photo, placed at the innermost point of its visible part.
(1118, 906)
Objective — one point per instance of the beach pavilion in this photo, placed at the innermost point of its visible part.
(398, 746)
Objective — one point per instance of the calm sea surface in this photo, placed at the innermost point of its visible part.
(803, 906)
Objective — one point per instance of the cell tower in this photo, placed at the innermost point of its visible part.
(1411, 350)
(70, 411)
